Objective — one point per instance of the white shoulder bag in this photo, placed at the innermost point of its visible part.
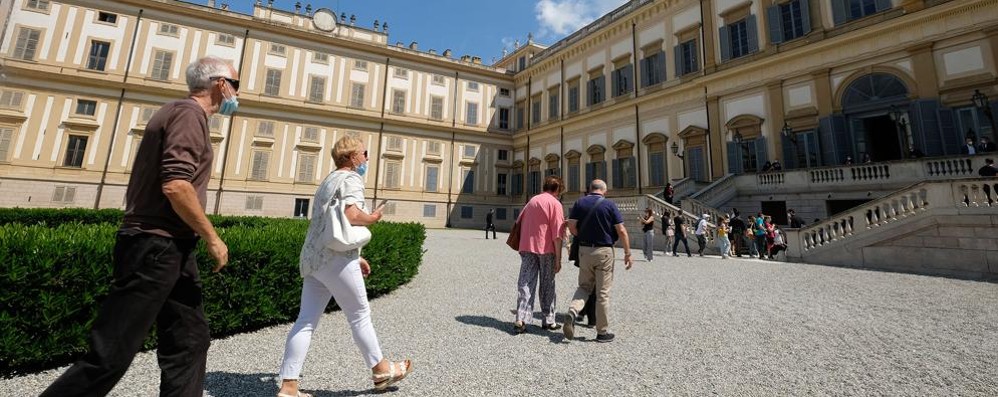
(338, 234)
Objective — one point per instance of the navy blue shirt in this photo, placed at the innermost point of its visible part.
(600, 228)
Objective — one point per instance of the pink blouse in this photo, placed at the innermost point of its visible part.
(541, 222)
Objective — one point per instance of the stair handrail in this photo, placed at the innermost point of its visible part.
(716, 189)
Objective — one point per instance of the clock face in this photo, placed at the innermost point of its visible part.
(324, 19)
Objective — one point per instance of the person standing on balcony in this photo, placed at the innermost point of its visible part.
(670, 192)
(986, 146)
(156, 278)
(489, 225)
(867, 159)
(969, 148)
(678, 221)
(988, 170)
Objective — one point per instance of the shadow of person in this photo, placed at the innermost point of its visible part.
(555, 336)
(227, 384)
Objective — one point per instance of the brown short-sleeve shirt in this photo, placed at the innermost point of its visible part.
(176, 145)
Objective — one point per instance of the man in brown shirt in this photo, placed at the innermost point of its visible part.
(155, 273)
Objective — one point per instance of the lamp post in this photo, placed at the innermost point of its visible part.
(901, 125)
(790, 134)
(982, 103)
(675, 152)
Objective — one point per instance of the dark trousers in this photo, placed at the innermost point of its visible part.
(702, 242)
(760, 244)
(155, 281)
(589, 311)
(681, 237)
(492, 227)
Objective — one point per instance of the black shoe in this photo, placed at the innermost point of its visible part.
(604, 338)
(519, 328)
(551, 327)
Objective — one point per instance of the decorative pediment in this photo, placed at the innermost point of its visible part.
(572, 154)
(518, 164)
(692, 131)
(535, 161)
(308, 147)
(623, 144)
(744, 121)
(81, 124)
(432, 159)
(12, 117)
(552, 157)
(393, 155)
(655, 137)
(596, 149)
(263, 142)
(216, 138)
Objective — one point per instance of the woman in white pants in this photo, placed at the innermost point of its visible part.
(340, 275)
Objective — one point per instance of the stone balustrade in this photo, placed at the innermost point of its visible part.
(894, 174)
(718, 192)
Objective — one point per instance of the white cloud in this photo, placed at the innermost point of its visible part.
(561, 17)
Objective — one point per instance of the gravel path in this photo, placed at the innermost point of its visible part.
(685, 326)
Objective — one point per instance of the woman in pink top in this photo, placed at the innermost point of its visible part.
(542, 225)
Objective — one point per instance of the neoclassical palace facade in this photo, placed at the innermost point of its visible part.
(655, 91)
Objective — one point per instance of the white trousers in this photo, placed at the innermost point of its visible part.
(343, 281)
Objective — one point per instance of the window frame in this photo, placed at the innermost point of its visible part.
(29, 30)
(272, 82)
(155, 55)
(69, 161)
(90, 65)
(83, 102)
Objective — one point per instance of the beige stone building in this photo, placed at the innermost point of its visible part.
(654, 91)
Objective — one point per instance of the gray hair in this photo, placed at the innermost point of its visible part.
(597, 184)
(200, 73)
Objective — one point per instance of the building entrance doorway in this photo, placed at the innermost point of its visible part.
(879, 139)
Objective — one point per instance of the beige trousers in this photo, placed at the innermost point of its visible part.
(595, 274)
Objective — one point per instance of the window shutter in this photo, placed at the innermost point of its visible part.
(5, 137)
(789, 159)
(925, 127)
(805, 15)
(590, 172)
(760, 152)
(725, 41)
(632, 175)
(734, 158)
(883, 5)
(615, 82)
(601, 167)
(752, 28)
(677, 57)
(660, 66)
(617, 182)
(775, 23)
(70, 195)
(840, 11)
(643, 71)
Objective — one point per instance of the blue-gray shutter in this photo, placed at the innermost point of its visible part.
(602, 169)
(693, 59)
(734, 158)
(830, 132)
(789, 151)
(660, 60)
(615, 77)
(725, 41)
(590, 172)
(925, 127)
(752, 28)
(952, 139)
(632, 177)
(677, 53)
(643, 71)
(760, 153)
(840, 11)
(617, 183)
(775, 24)
(805, 15)
(883, 5)
(627, 75)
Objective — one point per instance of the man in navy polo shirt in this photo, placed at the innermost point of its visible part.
(597, 224)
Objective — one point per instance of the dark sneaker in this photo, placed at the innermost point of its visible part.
(604, 338)
(568, 326)
(519, 328)
(551, 327)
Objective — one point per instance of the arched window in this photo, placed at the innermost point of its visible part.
(874, 87)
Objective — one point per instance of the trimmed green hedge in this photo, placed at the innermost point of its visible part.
(55, 267)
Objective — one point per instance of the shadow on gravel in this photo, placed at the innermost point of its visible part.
(227, 384)
(507, 327)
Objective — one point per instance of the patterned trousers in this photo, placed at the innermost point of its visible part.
(534, 267)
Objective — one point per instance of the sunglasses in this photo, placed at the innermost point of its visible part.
(233, 82)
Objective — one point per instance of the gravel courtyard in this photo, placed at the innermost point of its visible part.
(684, 326)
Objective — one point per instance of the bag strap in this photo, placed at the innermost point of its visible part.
(592, 211)
(338, 193)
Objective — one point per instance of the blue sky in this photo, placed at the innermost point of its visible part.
(468, 27)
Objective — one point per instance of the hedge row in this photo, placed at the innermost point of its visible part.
(53, 217)
(55, 267)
